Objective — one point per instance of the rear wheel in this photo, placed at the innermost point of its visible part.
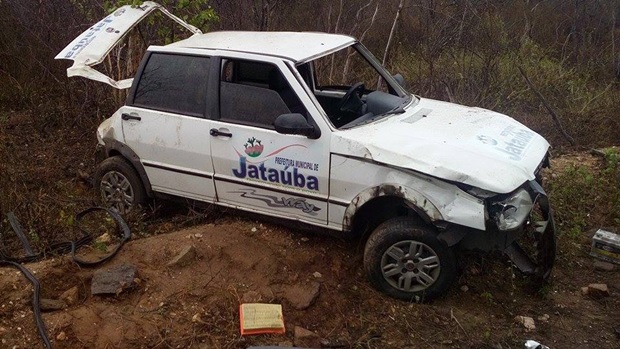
(119, 185)
(406, 260)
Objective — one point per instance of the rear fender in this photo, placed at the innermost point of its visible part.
(113, 147)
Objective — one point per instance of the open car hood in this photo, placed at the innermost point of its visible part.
(92, 46)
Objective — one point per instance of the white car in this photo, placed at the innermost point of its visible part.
(310, 127)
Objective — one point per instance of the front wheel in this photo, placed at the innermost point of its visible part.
(120, 186)
(407, 261)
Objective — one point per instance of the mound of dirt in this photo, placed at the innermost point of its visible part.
(195, 305)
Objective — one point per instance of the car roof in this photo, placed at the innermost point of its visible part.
(296, 46)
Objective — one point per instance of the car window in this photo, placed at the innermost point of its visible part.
(345, 68)
(255, 93)
(174, 83)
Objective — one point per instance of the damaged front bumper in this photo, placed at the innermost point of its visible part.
(530, 245)
(538, 258)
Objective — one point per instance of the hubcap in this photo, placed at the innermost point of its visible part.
(116, 191)
(410, 266)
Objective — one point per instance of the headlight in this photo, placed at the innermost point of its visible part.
(513, 211)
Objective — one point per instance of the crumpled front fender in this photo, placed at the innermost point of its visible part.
(415, 200)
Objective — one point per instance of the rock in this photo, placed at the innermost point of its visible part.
(544, 318)
(113, 280)
(253, 230)
(527, 322)
(584, 291)
(104, 238)
(196, 318)
(604, 266)
(83, 175)
(71, 295)
(185, 257)
(61, 336)
(302, 296)
(3, 331)
(317, 275)
(52, 304)
(464, 288)
(305, 239)
(306, 339)
(597, 290)
(333, 343)
(251, 297)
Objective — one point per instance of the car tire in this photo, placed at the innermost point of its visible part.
(405, 260)
(119, 185)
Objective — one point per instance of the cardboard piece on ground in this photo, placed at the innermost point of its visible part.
(258, 318)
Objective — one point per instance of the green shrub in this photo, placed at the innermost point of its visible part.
(586, 198)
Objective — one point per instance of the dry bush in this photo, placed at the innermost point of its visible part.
(465, 51)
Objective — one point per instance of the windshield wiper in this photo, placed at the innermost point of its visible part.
(372, 118)
(398, 110)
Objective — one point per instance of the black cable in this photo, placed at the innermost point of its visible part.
(121, 225)
(59, 248)
(36, 305)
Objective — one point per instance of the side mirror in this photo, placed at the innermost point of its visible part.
(295, 124)
(399, 79)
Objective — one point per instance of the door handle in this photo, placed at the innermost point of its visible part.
(215, 132)
(125, 116)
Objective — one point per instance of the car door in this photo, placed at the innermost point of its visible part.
(164, 123)
(257, 168)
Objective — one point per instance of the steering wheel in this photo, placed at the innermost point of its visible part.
(352, 100)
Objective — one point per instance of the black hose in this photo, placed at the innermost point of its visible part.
(36, 305)
(121, 225)
(59, 248)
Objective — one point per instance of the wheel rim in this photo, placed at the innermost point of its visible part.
(410, 266)
(116, 191)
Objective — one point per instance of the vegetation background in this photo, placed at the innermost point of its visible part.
(552, 64)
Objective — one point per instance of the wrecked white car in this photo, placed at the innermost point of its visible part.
(310, 127)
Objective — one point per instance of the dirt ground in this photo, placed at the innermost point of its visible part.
(238, 259)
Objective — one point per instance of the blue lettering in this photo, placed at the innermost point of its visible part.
(241, 172)
(286, 178)
(261, 172)
(313, 183)
(273, 175)
(300, 180)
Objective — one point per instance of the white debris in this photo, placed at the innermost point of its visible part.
(527, 322)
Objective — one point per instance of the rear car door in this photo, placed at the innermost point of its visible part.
(165, 124)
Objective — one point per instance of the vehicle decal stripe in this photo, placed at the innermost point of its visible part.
(338, 202)
(190, 173)
(281, 191)
(266, 157)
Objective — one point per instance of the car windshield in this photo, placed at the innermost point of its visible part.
(353, 88)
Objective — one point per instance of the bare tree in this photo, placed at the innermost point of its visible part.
(394, 23)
